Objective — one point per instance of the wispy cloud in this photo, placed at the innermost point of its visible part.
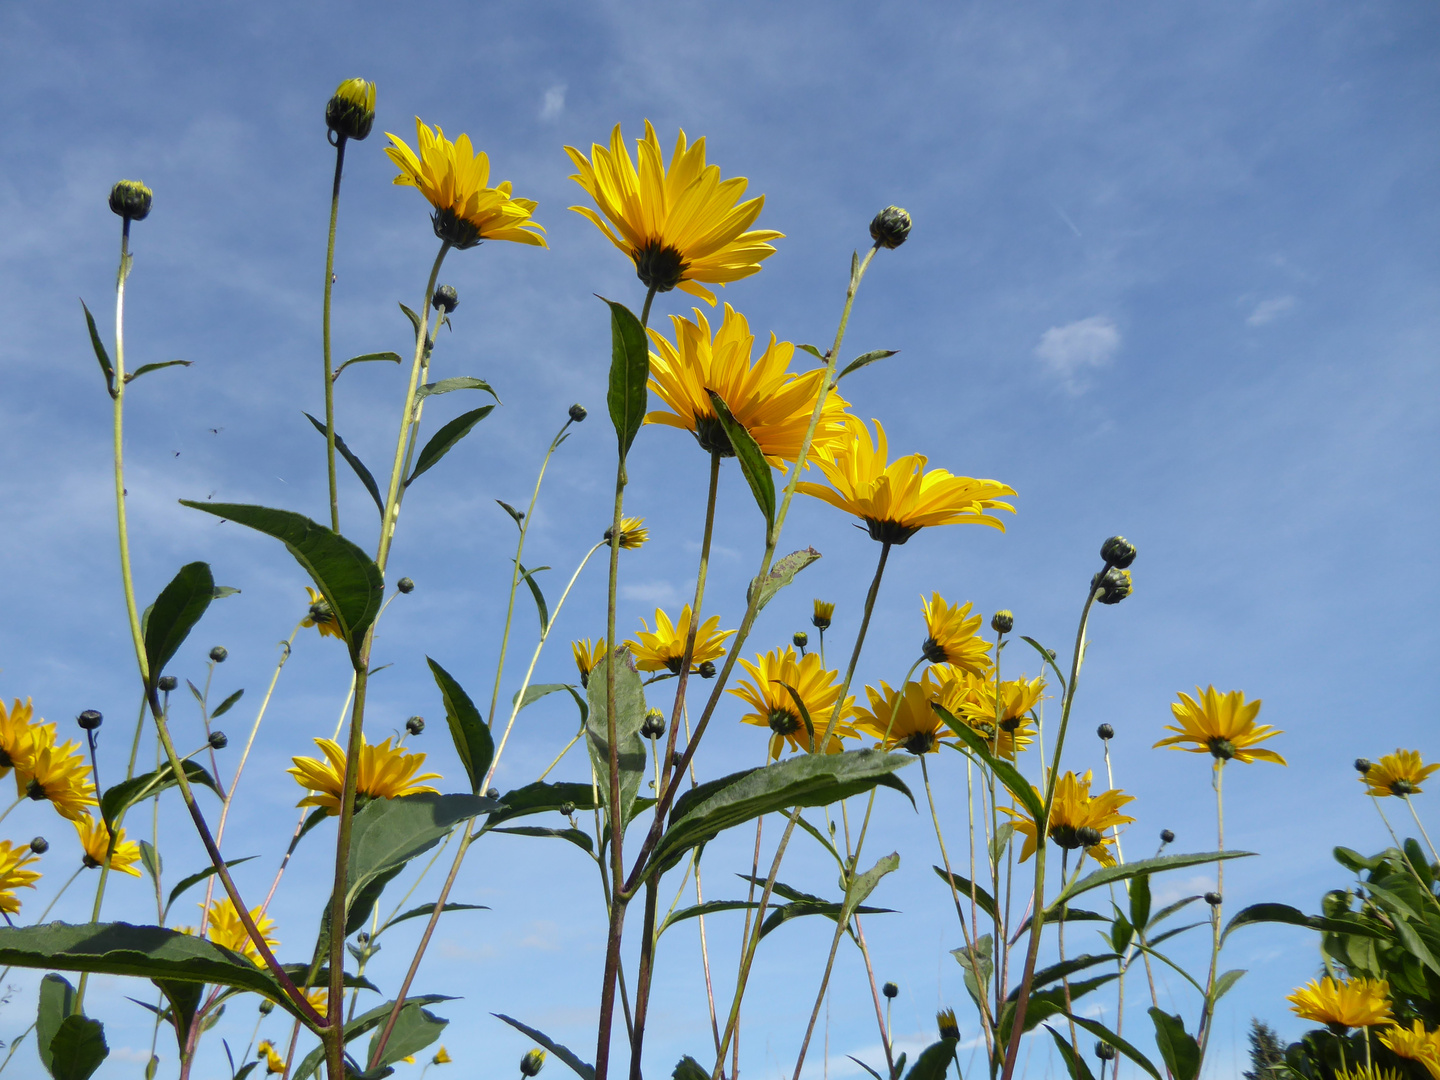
(553, 103)
(660, 593)
(1268, 311)
(1069, 351)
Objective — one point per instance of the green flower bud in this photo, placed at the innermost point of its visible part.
(890, 227)
(168, 683)
(1113, 585)
(266, 1007)
(1362, 766)
(1105, 731)
(532, 1062)
(350, 112)
(1002, 622)
(578, 413)
(218, 740)
(415, 725)
(707, 669)
(653, 725)
(1213, 899)
(1118, 552)
(219, 653)
(1166, 836)
(1104, 1051)
(405, 585)
(567, 808)
(447, 298)
(131, 200)
(890, 990)
(801, 639)
(39, 845)
(89, 720)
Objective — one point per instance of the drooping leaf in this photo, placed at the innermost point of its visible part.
(414, 319)
(366, 358)
(1121, 932)
(752, 460)
(813, 351)
(538, 798)
(444, 440)
(459, 382)
(78, 1048)
(415, 1028)
(629, 371)
(964, 885)
(150, 859)
(1006, 773)
(1046, 657)
(127, 793)
(1044, 1004)
(362, 1024)
(174, 614)
(352, 584)
(468, 729)
(580, 1068)
(184, 1001)
(867, 1068)
(1064, 969)
(933, 1061)
(355, 463)
(195, 879)
(709, 907)
(57, 998)
(1284, 913)
(145, 369)
(534, 693)
(780, 575)
(978, 962)
(426, 910)
(1074, 1063)
(785, 912)
(629, 716)
(578, 837)
(516, 516)
(864, 360)
(1140, 900)
(528, 576)
(1177, 1047)
(1123, 871)
(100, 354)
(225, 706)
(1101, 1031)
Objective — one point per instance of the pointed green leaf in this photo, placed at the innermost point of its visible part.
(225, 705)
(752, 460)
(867, 1068)
(472, 738)
(864, 884)
(1064, 969)
(414, 319)
(535, 693)
(629, 372)
(100, 353)
(1074, 1063)
(864, 360)
(184, 1001)
(1101, 1031)
(1044, 1004)
(1046, 657)
(516, 515)
(575, 836)
(195, 879)
(78, 1048)
(785, 912)
(528, 576)
(355, 463)
(150, 859)
(1223, 985)
(933, 1061)
(538, 798)
(1284, 913)
(145, 369)
(580, 1068)
(426, 910)
(127, 793)
(445, 439)
(174, 614)
(1124, 871)
(57, 998)
(780, 575)
(709, 907)
(369, 357)
(689, 1069)
(1140, 900)
(963, 886)
(629, 715)
(1006, 773)
(1121, 932)
(813, 351)
(977, 960)
(365, 1022)
(415, 1029)
(459, 382)
(1177, 1047)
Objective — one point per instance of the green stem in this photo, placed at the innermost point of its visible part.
(1421, 826)
(1207, 1009)
(329, 374)
(333, 1035)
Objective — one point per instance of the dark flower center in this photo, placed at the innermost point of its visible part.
(932, 649)
(36, 790)
(922, 742)
(783, 722)
(659, 267)
(890, 532)
(1223, 749)
(1402, 787)
(711, 436)
(451, 226)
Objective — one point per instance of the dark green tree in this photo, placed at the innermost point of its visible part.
(1267, 1052)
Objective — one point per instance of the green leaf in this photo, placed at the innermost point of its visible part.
(150, 859)
(516, 515)
(933, 1061)
(575, 836)
(535, 693)
(1140, 900)
(355, 463)
(459, 382)
(752, 461)
(629, 715)
(779, 576)
(195, 879)
(225, 705)
(352, 584)
(1415, 856)
(78, 1048)
(785, 912)
(1006, 773)
(813, 351)
(145, 369)
(57, 998)
(864, 884)
(367, 1021)
(414, 319)
(472, 738)
(1121, 932)
(978, 966)
(425, 910)
(709, 907)
(528, 576)
(963, 886)
(1178, 1048)
(184, 1000)
(127, 793)
(1001, 840)
(1122, 872)
(1284, 913)
(100, 353)
(415, 1029)
(867, 1068)
(581, 1069)
(1046, 657)
(538, 798)
(804, 780)
(1074, 1063)
(1101, 1031)
(445, 439)
(1223, 984)
(174, 614)
(1044, 1004)
(1063, 970)
(689, 1069)
(864, 360)
(629, 372)
(365, 358)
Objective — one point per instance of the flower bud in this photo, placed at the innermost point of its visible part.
(567, 808)
(363, 937)
(890, 227)
(89, 720)
(707, 669)
(168, 683)
(823, 613)
(1166, 836)
(218, 740)
(447, 298)
(493, 793)
(532, 1062)
(266, 1007)
(131, 200)
(415, 725)
(653, 725)
(219, 654)
(39, 845)
(1002, 622)
(350, 113)
(1104, 1051)
(1213, 899)
(1113, 585)
(801, 639)
(675, 759)
(405, 585)
(946, 1022)
(1105, 731)
(577, 412)
(1362, 766)
(890, 990)
(1118, 552)
(1088, 837)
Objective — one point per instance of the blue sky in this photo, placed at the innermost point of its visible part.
(1172, 275)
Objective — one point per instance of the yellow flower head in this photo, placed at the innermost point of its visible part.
(13, 875)
(321, 617)
(1341, 1004)
(226, 929)
(767, 399)
(319, 999)
(350, 112)
(21, 740)
(633, 533)
(665, 648)
(385, 773)
(950, 636)
(1222, 725)
(899, 499)
(774, 706)
(274, 1063)
(916, 726)
(357, 92)
(1415, 1044)
(441, 1058)
(59, 773)
(1000, 714)
(455, 179)
(95, 839)
(824, 611)
(587, 655)
(1077, 819)
(1371, 1072)
(679, 223)
(1400, 773)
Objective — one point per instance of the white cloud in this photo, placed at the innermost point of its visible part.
(1269, 310)
(1067, 351)
(553, 103)
(659, 593)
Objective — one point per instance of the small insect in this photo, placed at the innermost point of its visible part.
(216, 430)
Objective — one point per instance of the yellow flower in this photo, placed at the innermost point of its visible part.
(384, 773)
(1370, 1072)
(274, 1063)
(319, 999)
(1400, 773)
(59, 773)
(1222, 725)
(680, 224)
(95, 839)
(951, 636)
(455, 179)
(767, 399)
(587, 655)
(20, 740)
(916, 726)
(973, 699)
(13, 875)
(898, 500)
(775, 708)
(321, 617)
(1415, 1044)
(1341, 1004)
(227, 930)
(822, 614)
(350, 111)
(1077, 819)
(441, 1058)
(665, 648)
(633, 533)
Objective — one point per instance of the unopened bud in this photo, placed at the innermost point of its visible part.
(131, 199)
(1112, 586)
(1002, 622)
(1104, 1051)
(653, 726)
(707, 669)
(415, 725)
(675, 759)
(168, 683)
(1166, 836)
(266, 1007)
(1105, 731)
(567, 808)
(532, 1062)
(801, 639)
(89, 720)
(890, 227)
(447, 298)
(218, 740)
(405, 585)
(350, 113)
(890, 990)
(1213, 899)
(363, 937)
(39, 845)
(493, 793)
(1362, 766)
(1118, 552)
(219, 654)
(578, 413)
(948, 1025)
(1088, 837)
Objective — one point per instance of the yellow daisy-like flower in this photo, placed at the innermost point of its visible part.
(319, 999)
(820, 617)
(767, 399)
(916, 726)
(665, 648)
(95, 839)
(59, 774)
(679, 223)
(1415, 1044)
(1006, 722)
(633, 533)
(321, 617)
(587, 655)
(455, 179)
(1369, 1072)
(951, 637)
(1222, 725)
(13, 875)
(226, 929)
(775, 707)
(1400, 773)
(385, 772)
(21, 740)
(1341, 1004)
(899, 499)
(350, 112)
(441, 1058)
(274, 1063)
(1077, 819)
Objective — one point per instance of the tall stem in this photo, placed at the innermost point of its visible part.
(329, 373)
(1207, 1010)
(334, 1037)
